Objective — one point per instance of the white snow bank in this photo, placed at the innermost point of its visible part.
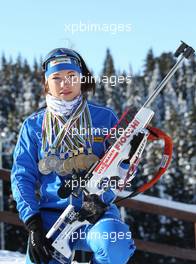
(11, 257)
(189, 208)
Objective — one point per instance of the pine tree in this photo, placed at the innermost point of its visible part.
(108, 87)
(149, 62)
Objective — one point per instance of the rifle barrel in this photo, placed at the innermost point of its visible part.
(164, 82)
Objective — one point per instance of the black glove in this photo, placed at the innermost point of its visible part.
(92, 209)
(134, 145)
(39, 245)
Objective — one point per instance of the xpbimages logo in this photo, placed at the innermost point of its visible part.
(111, 80)
(95, 235)
(115, 183)
(112, 28)
(114, 132)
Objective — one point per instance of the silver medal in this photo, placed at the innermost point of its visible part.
(59, 166)
(43, 166)
(52, 162)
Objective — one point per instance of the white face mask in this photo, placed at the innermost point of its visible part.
(61, 107)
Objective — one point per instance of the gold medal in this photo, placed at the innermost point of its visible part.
(90, 160)
(80, 162)
(84, 162)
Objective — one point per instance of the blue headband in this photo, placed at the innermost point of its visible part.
(55, 66)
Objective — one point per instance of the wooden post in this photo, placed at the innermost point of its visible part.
(195, 233)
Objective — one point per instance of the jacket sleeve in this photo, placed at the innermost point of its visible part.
(24, 174)
(114, 119)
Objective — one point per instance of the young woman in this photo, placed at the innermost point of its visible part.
(51, 150)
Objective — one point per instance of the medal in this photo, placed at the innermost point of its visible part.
(59, 169)
(79, 162)
(68, 165)
(84, 162)
(90, 160)
(43, 166)
(52, 160)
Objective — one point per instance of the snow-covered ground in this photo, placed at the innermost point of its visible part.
(10, 257)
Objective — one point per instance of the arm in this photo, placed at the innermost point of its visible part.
(24, 174)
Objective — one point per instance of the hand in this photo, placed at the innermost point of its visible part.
(39, 246)
(135, 142)
(92, 209)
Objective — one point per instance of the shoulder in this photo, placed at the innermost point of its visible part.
(34, 121)
(35, 115)
(31, 127)
(94, 107)
(39, 113)
(102, 115)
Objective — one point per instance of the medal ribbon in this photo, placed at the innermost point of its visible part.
(51, 126)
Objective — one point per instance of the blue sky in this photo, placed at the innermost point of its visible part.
(33, 28)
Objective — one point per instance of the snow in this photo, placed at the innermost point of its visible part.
(189, 208)
(11, 257)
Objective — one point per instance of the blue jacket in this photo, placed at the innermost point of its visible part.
(25, 176)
